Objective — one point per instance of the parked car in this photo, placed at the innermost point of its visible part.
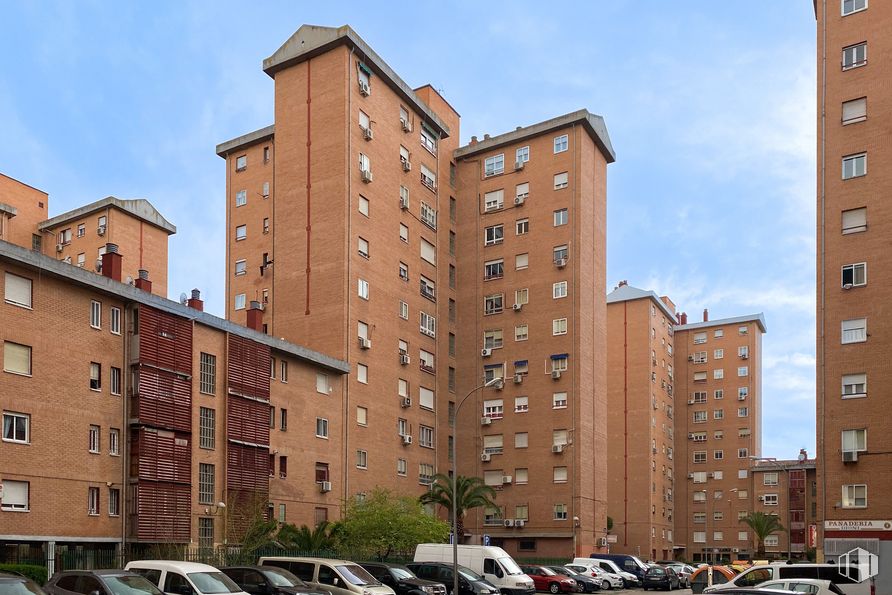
(16, 584)
(338, 576)
(548, 580)
(184, 578)
(629, 579)
(781, 571)
(813, 586)
(661, 577)
(493, 563)
(99, 582)
(608, 579)
(269, 580)
(584, 583)
(469, 582)
(402, 580)
(683, 571)
(626, 562)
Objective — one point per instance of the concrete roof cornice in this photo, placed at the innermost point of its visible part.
(312, 40)
(627, 293)
(245, 140)
(592, 123)
(138, 207)
(84, 278)
(759, 319)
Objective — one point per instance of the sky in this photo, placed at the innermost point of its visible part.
(710, 107)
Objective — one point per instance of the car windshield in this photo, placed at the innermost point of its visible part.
(130, 585)
(19, 587)
(469, 574)
(655, 571)
(212, 583)
(280, 577)
(401, 573)
(356, 575)
(564, 571)
(510, 565)
(547, 571)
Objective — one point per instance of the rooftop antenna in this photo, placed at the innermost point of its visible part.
(184, 298)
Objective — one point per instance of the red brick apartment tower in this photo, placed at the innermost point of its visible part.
(531, 223)
(854, 329)
(718, 390)
(346, 249)
(22, 208)
(640, 422)
(787, 488)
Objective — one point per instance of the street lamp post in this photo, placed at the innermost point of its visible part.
(786, 470)
(493, 382)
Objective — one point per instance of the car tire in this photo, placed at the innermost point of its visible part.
(554, 588)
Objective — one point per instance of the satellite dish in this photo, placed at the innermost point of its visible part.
(803, 455)
(184, 298)
(98, 265)
(129, 280)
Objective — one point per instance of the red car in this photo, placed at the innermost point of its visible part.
(546, 579)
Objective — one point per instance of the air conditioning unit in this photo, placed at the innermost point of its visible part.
(519, 200)
(508, 522)
(744, 356)
(404, 202)
(690, 436)
(710, 475)
(518, 165)
(557, 448)
(555, 374)
(735, 550)
(691, 401)
(761, 498)
(407, 165)
(365, 343)
(59, 247)
(367, 133)
(485, 352)
(507, 479)
(100, 230)
(517, 307)
(690, 358)
(405, 402)
(602, 541)
(485, 421)
(850, 456)
(364, 89)
(366, 175)
(518, 378)
(485, 457)
(407, 439)
(690, 476)
(405, 359)
(654, 450)
(560, 263)
(406, 126)
(519, 522)
(325, 486)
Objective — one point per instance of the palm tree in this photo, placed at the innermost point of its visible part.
(762, 525)
(320, 538)
(471, 493)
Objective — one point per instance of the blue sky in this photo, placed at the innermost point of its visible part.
(710, 107)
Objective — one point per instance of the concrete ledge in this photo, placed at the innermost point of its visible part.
(138, 207)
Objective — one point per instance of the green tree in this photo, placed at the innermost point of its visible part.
(762, 525)
(381, 524)
(323, 537)
(471, 493)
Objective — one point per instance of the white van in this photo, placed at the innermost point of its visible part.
(185, 578)
(782, 571)
(493, 563)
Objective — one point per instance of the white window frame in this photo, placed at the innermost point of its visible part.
(561, 143)
(428, 324)
(854, 386)
(95, 314)
(769, 500)
(15, 288)
(561, 180)
(92, 501)
(425, 436)
(521, 332)
(561, 217)
(559, 400)
(559, 290)
(854, 7)
(858, 275)
(559, 326)
(857, 108)
(10, 419)
(494, 234)
(521, 227)
(850, 495)
(321, 428)
(854, 440)
(362, 288)
(241, 232)
(241, 198)
(854, 166)
(494, 200)
(239, 301)
(115, 321)
(853, 331)
(494, 165)
(94, 440)
(522, 154)
(853, 53)
(241, 267)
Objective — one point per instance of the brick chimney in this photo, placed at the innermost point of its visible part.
(684, 318)
(473, 141)
(705, 315)
(195, 301)
(111, 262)
(142, 281)
(255, 316)
(678, 318)
(623, 283)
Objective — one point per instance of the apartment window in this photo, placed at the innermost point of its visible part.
(205, 483)
(699, 397)
(521, 440)
(561, 143)
(559, 326)
(207, 428)
(428, 139)
(718, 354)
(493, 201)
(521, 332)
(718, 414)
(321, 427)
(428, 325)
(114, 502)
(17, 290)
(241, 198)
(16, 358)
(521, 261)
(322, 384)
(769, 479)
(699, 476)
(81, 230)
(743, 453)
(700, 496)
(700, 517)
(718, 435)
(559, 401)
(493, 235)
(240, 301)
(492, 304)
(560, 512)
(265, 190)
(404, 197)
(699, 338)
(521, 192)
(854, 440)
(698, 436)
(854, 331)
(115, 381)
(208, 374)
(95, 376)
(854, 220)
(561, 217)
(404, 271)
(522, 227)
(718, 374)
(402, 467)
(494, 165)
(321, 472)
(428, 252)
(743, 411)
(452, 241)
(428, 288)
(241, 267)
(743, 371)
(426, 398)
(427, 361)
(241, 163)
(365, 165)
(15, 495)
(559, 290)
(854, 111)
(560, 254)
(492, 339)
(425, 473)
(95, 314)
(854, 56)
(850, 6)
(93, 501)
(700, 456)
(362, 288)
(854, 385)
(272, 418)
(241, 232)
(362, 459)
(854, 496)
(559, 475)
(115, 321)
(699, 357)
(561, 180)
(854, 166)
(854, 275)
(429, 179)
(363, 247)
(94, 439)
(364, 206)
(16, 427)
(718, 455)
(404, 233)
(522, 155)
(494, 269)
(700, 417)
(272, 368)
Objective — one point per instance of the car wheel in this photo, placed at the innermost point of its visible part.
(554, 588)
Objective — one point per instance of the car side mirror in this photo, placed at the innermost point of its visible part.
(335, 581)
(95, 592)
